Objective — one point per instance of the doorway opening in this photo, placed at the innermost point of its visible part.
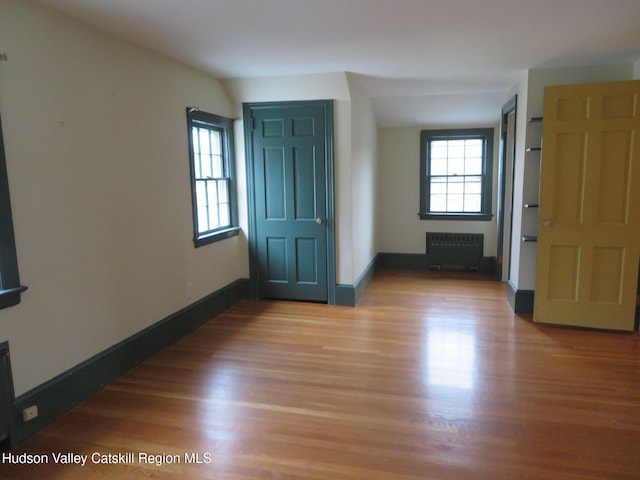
(505, 187)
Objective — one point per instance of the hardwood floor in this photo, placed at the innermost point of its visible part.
(432, 376)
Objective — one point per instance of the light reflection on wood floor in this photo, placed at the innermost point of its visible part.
(432, 376)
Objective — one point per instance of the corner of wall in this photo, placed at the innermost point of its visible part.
(364, 171)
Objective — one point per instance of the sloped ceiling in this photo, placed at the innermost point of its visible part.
(419, 60)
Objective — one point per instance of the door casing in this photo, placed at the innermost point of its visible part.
(327, 106)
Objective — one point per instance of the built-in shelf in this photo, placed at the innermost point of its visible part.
(533, 137)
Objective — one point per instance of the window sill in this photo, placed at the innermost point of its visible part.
(483, 217)
(10, 296)
(216, 236)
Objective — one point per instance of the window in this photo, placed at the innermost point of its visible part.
(212, 177)
(455, 174)
(10, 288)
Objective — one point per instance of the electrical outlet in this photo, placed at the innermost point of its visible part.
(30, 413)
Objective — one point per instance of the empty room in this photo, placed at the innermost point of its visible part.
(302, 239)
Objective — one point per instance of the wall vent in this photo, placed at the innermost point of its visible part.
(454, 251)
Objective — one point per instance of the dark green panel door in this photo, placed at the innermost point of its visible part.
(289, 160)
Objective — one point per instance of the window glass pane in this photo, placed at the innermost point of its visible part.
(472, 203)
(456, 148)
(213, 218)
(204, 141)
(456, 166)
(225, 221)
(455, 203)
(197, 160)
(217, 171)
(216, 142)
(223, 191)
(212, 193)
(473, 185)
(201, 194)
(438, 203)
(439, 166)
(197, 171)
(439, 186)
(205, 166)
(438, 149)
(456, 186)
(195, 140)
(203, 224)
(473, 166)
(473, 148)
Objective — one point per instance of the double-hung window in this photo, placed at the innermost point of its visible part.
(455, 174)
(212, 177)
(10, 288)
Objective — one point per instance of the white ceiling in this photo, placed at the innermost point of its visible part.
(418, 59)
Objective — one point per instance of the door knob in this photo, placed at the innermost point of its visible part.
(321, 220)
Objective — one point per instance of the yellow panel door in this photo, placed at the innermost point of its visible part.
(589, 217)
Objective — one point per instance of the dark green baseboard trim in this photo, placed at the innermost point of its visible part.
(345, 295)
(421, 262)
(349, 295)
(521, 301)
(63, 392)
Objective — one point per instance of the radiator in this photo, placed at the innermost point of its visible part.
(454, 250)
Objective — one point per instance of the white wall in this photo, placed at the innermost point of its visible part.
(523, 264)
(364, 170)
(400, 229)
(636, 70)
(96, 146)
